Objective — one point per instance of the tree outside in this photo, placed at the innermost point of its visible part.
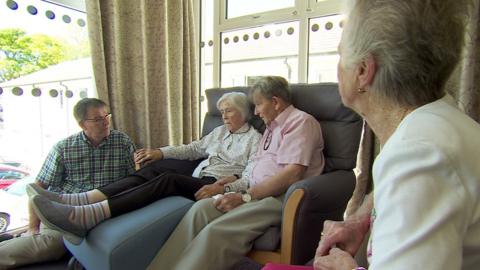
(21, 54)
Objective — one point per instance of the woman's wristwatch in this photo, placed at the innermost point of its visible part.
(227, 188)
(246, 197)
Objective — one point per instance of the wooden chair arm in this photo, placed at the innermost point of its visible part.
(290, 213)
(285, 253)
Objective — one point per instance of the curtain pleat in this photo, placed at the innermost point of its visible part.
(469, 86)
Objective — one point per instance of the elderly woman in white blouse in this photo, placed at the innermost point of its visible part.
(395, 60)
(228, 151)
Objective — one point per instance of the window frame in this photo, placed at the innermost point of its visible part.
(303, 11)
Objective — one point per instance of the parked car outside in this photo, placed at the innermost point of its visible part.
(14, 205)
(10, 174)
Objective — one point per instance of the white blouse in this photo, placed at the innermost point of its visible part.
(225, 153)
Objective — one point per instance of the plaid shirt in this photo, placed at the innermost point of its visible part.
(74, 165)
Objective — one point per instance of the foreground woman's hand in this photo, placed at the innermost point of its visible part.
(337, 259)
(347, 235)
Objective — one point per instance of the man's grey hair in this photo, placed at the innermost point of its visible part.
(273, 86)
(239, 101)
(82, 106)
(416, 45)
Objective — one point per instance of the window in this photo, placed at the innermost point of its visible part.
(243, 39)
(237, 8)
(255, 52)
(45, 68)
(325, 33)
(206, 52)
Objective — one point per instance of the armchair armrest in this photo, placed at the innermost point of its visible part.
(308, 203)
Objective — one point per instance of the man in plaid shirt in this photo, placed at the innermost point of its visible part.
(84, 161)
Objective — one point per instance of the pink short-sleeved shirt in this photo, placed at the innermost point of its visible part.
(294, 137)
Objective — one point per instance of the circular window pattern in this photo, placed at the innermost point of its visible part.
(290, 30)
(17, 91)
(36, 92)
(245, 37)
(32, 10)
(69, 94)
(256, 36)
(226, 40)
(329, 25)
(53, 93)
(315, 28)
(49, 14)
(235, 39)
(12, 5)
(83, 94)
(266, 34)
(278, 32)
(210, 43)
(81, 22)
(66, 19)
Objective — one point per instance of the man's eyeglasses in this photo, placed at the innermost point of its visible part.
(99, 119)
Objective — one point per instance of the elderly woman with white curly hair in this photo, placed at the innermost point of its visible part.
(395, 59)
(228, 153)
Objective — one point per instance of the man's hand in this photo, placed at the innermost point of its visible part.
(209, 191)
(228, 202)
(347, 235)
(144, 156)
(337, 259)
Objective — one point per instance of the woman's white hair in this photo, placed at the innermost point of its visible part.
(237, 100)
(416, 45)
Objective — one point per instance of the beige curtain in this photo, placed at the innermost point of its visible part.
(464, 85)
(144, 62)
(468, 84)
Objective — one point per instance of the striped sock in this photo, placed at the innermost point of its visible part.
(75, 198)
(88, 216)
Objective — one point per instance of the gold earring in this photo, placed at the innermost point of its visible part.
(361, 90)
